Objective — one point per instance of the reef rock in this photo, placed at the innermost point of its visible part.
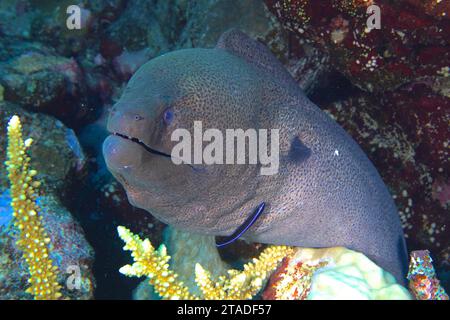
(56, 153)
(412, 43)
(69, 250)
(142, 24)
(410, 150)
(35, 77)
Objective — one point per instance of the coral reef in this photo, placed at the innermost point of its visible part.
(388, 88)
(332, 273)
(241, 284)
(304, 274)
(411, 43)
(423, 282)
(153, 264)
(39, 240)
(237, 285)
(33, 239)
(187, 249)
(292, 280)
(340, 273)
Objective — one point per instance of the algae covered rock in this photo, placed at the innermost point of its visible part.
(56, 153)
(41, 80)
(251, 17)
(142, 24)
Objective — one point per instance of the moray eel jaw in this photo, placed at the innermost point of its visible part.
(129, 160)
(142, 144)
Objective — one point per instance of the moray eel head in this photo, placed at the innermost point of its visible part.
(170, 92)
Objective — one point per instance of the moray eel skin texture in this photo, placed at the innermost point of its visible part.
(327, 193)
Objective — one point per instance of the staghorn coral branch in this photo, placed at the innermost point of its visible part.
(209, 289)
(154, 264)
(33, 239)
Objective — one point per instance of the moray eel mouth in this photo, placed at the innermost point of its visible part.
(151, 150)
(142, 144)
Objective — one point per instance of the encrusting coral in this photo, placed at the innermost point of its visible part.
(237, 285)
(336, 273)
(33, 239)
(340, 273)
(423, 282)
(243, 284)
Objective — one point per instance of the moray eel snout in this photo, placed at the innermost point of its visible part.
(116, 150)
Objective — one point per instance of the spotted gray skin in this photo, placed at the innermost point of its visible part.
(327, 193)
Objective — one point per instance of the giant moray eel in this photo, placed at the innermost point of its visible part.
(327, 193)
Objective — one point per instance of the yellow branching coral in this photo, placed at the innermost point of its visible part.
(237, 285)
(245, 284)
(153, 264)
(33, 239)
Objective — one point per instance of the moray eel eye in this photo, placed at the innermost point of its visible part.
(168, 116)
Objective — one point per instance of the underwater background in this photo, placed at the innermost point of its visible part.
(388, 88)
